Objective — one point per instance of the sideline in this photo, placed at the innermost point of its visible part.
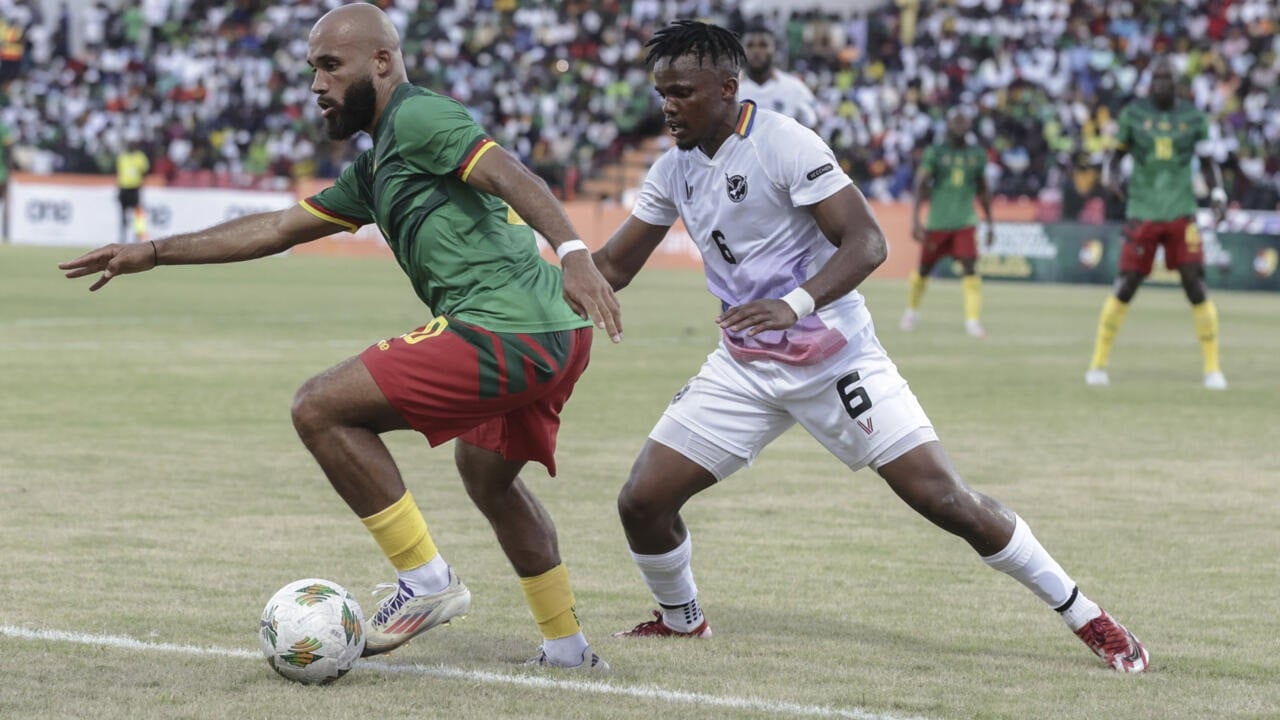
(441, 671)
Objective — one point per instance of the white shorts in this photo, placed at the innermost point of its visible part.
(855, 403)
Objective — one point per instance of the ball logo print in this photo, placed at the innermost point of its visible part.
(312, 631)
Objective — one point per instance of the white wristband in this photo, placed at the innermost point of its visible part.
(801, 302)
(1218, 195)
(569, 246)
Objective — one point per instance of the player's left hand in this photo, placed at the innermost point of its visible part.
(989, 237)
(589, 294)
(758, 315)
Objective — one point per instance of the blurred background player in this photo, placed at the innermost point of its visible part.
(770, 87)
(950, 176)
(1164, 135)
(131, 168)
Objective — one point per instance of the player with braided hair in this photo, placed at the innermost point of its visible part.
(786, 238)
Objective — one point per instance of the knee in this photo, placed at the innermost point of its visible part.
(955, 508)
(1126, 286)
(307, 411)
(1193, 286)
(638, 508)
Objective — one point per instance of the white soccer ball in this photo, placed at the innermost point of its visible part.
(312, 631)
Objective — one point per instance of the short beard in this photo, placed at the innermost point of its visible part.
(356, 111)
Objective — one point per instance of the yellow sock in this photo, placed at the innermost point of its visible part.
(1206, 318)
(971, 286)
(915, 290)
(402, 534)
(551, 601)
(1113, 312)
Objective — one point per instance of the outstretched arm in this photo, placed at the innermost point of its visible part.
(244, 238)
(846, 220)
(500, 173)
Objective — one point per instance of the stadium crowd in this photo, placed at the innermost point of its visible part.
(209, 87)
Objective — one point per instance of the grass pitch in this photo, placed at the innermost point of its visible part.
(153, 496)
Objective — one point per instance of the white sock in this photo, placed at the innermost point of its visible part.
(1026, 561)
(1078, 611)
(566, 651)
(427, 579)
(670, 579)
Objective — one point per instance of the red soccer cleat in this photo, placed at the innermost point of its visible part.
(657, 628)
(1113, 643)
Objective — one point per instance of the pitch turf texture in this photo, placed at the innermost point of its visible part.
(153, 496)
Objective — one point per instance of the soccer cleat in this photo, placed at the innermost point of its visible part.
(1117, 646)
(974, 329)
(657, 628)
(402, 615)
(908, 322)
(591, 662)
(1097, 378)
(1215, 381)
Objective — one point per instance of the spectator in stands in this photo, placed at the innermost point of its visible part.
(1045, 72)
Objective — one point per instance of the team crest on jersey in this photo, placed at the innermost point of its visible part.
(737, 187)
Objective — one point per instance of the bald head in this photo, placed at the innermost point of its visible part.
(359, 25)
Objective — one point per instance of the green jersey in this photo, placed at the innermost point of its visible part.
(467, 254)
(956, 173)
(1162, 144)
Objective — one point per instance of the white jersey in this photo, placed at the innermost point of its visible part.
(782, 93)
(746, 211)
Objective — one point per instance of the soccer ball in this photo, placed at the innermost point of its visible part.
(312, 631)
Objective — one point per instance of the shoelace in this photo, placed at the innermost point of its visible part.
(387, 602)
(649, 625)
(1107, 637)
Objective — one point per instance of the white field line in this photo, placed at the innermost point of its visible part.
(440, 671)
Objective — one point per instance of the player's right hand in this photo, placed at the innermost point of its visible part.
(917, 232)
(111, 260)
(589, 294)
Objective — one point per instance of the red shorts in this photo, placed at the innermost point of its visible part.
(499, 391)
(1180, 238)
(938, 244)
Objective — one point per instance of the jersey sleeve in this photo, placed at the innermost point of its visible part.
(438, 136)
(799, 163)
(341, 202)
(655, 205)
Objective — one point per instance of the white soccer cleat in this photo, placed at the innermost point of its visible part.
(974, 329)
(1097, 378)
(591, 662)
(402, 615)
(908, 322)
(1215, 381)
